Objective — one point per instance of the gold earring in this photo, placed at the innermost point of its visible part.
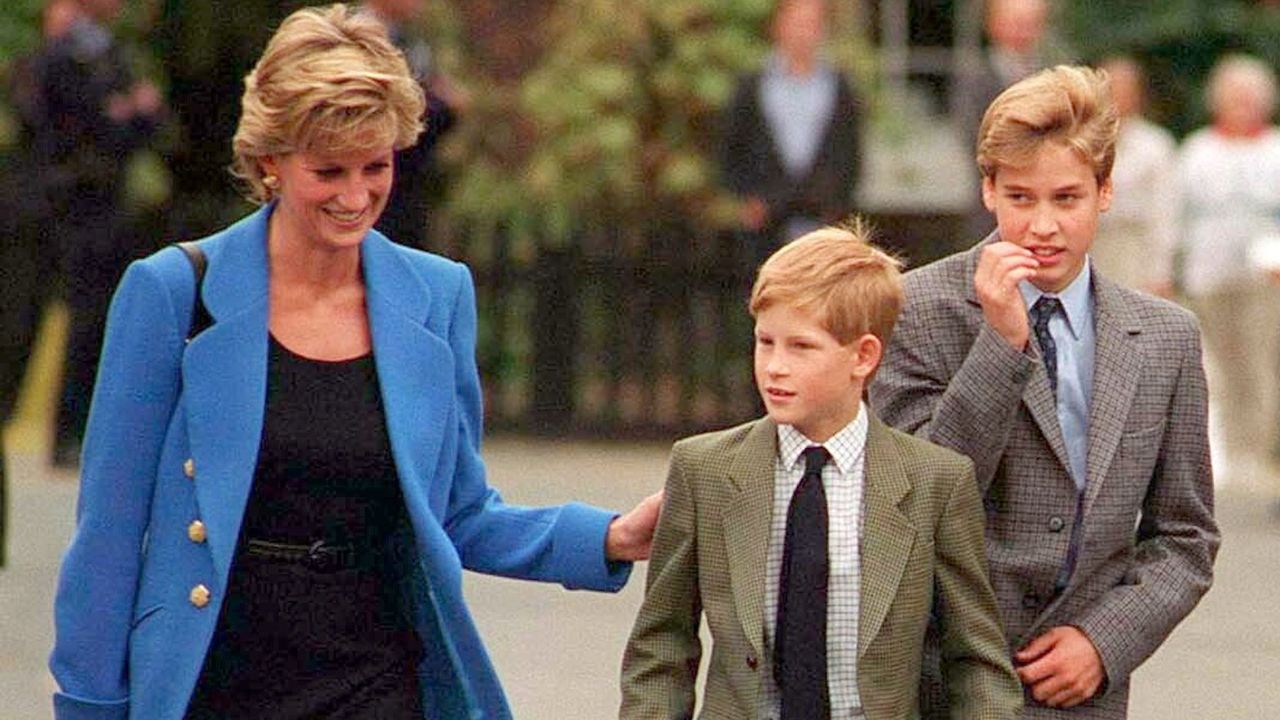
(271, 182)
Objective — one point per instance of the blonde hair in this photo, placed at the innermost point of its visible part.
(329, 78)
(854, 287)
(1069, 105)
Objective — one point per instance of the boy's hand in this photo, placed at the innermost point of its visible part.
(630, 536)
(1062, 667)
(1000, 268)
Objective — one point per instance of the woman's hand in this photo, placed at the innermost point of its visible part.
(630, 536)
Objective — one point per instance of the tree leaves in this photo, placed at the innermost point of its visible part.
(622, 111)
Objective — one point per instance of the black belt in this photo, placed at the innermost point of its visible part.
(321, 555)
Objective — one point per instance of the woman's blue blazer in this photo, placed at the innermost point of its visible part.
(173, 438)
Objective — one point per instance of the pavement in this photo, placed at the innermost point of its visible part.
(558, 651)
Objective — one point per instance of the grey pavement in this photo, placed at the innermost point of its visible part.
(558, 651)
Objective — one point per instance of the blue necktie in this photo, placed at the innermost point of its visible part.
(800, 645)
(1043, 311)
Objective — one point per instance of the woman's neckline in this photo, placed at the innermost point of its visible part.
(323, 361)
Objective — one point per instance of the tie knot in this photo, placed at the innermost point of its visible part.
(815, 457)
(1044, 309)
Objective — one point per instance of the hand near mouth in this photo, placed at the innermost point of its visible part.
(1000, 268)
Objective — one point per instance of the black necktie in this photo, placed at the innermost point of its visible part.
(1044, 310)
(800, 643)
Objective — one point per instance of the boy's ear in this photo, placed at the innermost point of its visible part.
(867, 352)
(989, 192)
(1104, 195)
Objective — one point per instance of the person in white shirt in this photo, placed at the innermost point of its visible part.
(1137, 237)
(1229, 174)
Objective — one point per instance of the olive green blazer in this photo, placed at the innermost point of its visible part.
(922, 552)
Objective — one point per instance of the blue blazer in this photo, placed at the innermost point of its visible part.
(173, 438)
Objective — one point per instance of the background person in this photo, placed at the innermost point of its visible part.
(791, 149)
(1138, 235)
(273, 519)
(1229, 178)
(406, 218)
(96, 115)
(1017, 46)
(29, 263)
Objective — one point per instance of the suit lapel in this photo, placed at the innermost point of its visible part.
(415, 368)
(886, 541)
(1038, 395)
(224, 371)
(747, 521)
(887, 534)
(1117, 367)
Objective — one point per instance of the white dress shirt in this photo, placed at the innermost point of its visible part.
(1137, 236)
(842, 479)
(1231, 193)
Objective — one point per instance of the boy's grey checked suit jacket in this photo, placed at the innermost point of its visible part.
(1147, 539)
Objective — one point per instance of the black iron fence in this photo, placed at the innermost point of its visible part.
(625, 332)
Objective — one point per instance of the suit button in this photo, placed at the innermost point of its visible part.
(189, 468)
(196, 532)
(200, 596)
(1056, 524)
(1030, 601)
(752, 662)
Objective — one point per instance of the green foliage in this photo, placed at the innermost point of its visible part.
(19, 28)
(617, 121)
(1178, 41)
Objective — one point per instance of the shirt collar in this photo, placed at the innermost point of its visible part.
(846, 446)
(776, 67)
(1074, 297)
(91, 35)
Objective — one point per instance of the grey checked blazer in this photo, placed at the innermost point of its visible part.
(1147, 536)
(921, 551)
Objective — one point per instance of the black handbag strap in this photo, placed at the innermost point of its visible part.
(200, 317)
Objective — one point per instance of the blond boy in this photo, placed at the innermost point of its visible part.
(817, 569)
(1081, 403)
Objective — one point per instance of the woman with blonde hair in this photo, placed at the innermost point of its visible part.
(277, 500)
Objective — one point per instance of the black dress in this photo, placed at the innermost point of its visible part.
(313, 625)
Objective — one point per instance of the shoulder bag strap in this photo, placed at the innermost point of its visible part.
(200, 317)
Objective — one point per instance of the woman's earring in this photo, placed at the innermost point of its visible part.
(271, 182)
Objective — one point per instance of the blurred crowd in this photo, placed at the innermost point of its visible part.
(1196, 221)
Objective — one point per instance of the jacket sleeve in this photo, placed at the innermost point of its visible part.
(971, 410)
(563, 543)
(739, 142)
(1177, 538)
(980, 682)
(133, 401)
(834, 184)
(660, 664)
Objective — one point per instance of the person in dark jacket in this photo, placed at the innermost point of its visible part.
(791, 147)
(406, 216)
(97, 113)
(29, 275)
